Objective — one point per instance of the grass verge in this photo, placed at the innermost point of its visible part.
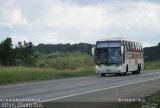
(152, 65)
(152, 101)
(154, 98)
(24, 74)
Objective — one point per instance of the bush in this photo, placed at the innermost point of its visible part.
(63, 61)
(23, 74)
(152, 65)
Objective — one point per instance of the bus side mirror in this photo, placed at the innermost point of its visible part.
(93, 51)
(122, 49)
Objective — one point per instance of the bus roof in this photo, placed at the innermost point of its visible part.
(117, 39)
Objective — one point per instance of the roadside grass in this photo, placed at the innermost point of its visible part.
(50, 66)
(62, 61)
(152, 65)
(25, 74)
(154, 98)
(152, 101)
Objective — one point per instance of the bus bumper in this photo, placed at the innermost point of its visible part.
(109, 69)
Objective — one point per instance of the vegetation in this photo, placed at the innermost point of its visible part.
(22, 64)
(52, 48)
(21, 74)
(155, 98)
(152, 53)
(6, 52)
(152, 65)
(152, 101)
(10, 56)
(45, 66)
(52, 66)
(61, 61)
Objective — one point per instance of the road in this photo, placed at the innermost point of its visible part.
(87, 89)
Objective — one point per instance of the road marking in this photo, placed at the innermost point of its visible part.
(61, 97)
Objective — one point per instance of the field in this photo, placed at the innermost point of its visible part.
(21, 74)
(53, 66)
(61, 61)
(152, 65)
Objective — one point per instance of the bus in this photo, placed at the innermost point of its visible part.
(118, 56)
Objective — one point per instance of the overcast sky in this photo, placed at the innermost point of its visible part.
(74, 21)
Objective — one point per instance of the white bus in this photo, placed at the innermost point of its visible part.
(118, 56)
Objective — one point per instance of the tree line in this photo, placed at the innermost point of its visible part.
(25, 53)
(152, 53)
(51, 48)
(21, 54)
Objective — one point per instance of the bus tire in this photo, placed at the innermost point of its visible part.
(134, 72)
(118, 74)
(125, 73)
(139, 69)
(103, 74)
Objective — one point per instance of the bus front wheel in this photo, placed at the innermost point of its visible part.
(103, 74)
(125, 73)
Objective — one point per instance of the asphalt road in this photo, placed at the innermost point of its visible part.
(87, 89)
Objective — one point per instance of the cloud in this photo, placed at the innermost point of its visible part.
(73, 21)
(67, 21)
(15, 18)
(16, 39)
(11, 16)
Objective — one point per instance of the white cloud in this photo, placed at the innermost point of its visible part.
(52, 21)
(131, 13)
(15, 18)
(11, 15)
(67, 16)
(16, 39)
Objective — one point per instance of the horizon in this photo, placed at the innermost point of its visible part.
(14, 44)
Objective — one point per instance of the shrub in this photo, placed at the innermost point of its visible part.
(63, 61)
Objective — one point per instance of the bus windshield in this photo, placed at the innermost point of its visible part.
(111, 55)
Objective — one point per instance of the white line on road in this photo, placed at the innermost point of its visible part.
(61, 97)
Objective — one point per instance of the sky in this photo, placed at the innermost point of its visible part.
(75, 21)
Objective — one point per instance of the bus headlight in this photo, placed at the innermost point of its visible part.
(98, 66)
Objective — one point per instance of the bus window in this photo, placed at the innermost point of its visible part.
(127, 46)
(136, 46)
(132, 47)
(141, 48)
(114, 55)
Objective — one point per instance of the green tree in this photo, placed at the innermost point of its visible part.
(7, 58)
(0, 54)
(24, 53)
(51, 48)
